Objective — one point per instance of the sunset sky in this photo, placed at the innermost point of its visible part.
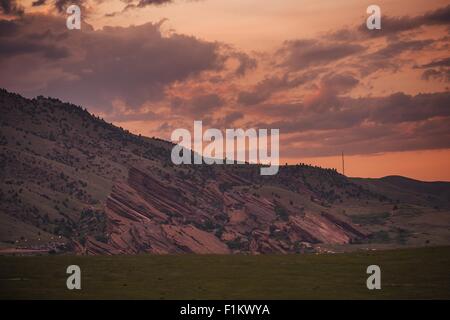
(310, 68)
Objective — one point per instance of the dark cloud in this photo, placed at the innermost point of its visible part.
(144, 3)
(400, 107)
(395, 48)
(12, 48)
(439, 16)
(389, 57)
(130, 4)
(227, 121)
(393, 25)
(133, 64)
(38, 3)
(230, 118)
(62, 5)
(299, 54)
(370, 140)
(141, 4)
(394, 109)
(398, 122)
(339, 83)
(14, 43)
(10, 7)
(438, 63)
(436, 70)
(441, 74)
(307, 120)
(264, 89)
(246, 63)
(331, 87)
(197, 106)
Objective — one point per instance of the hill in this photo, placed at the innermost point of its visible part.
(72, 182)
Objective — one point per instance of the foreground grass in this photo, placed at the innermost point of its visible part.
(406, 274)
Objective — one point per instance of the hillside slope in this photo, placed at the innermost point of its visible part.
(410, 190)
(70, 182)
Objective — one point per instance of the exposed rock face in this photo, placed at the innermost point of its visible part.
(138, 220)
(146, 214)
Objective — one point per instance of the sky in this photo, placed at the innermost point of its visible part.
(309, 68)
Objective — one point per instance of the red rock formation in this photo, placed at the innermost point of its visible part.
(174, 215)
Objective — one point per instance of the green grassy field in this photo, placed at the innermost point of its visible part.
(405, 274)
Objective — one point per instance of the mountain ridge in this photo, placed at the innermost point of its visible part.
(73, 183)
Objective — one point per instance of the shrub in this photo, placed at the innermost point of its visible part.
(281, 212)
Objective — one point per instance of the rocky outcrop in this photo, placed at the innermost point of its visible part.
(151, 214)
